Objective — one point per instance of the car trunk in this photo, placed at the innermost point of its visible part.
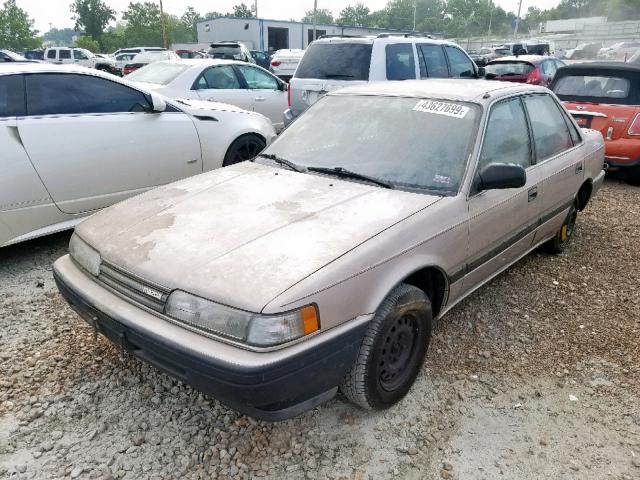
(602, 117)
(509, 71)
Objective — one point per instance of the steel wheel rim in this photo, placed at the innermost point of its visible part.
(398, 352)
(570, 224)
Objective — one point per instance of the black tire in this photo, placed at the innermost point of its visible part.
(392, 351)
(560, 241)
(633, 176)
(246, 147)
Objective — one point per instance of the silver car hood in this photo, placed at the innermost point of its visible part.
(242, 235)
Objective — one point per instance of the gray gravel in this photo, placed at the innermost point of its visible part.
(534, 376)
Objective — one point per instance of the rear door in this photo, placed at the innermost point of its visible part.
(328, 66)
(20, 187)
(93, 142)
(267, 92)
(222, 84)
(65, 56)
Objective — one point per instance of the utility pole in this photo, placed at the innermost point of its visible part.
(415, 10)
(515, 33)
(490, 17)
(255, 8)
(164, 27)
(315, 19)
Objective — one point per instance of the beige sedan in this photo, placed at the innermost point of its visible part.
(324, 263)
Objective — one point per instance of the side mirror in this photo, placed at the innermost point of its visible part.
(284, 87)
(158, 105)
(481, 72)
(501, 176)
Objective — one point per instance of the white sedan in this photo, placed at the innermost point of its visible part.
(238, 83)
(75, 140)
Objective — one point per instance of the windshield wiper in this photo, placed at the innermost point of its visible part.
(341, 172)
(282, 161)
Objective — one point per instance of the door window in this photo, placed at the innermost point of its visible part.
(65, 54)
(433, 64)
(548, 67)
(550, 131)
(78, 55)
(11, 96)
(507, 136)
(401, 64)
(71, 94)
(461, 65)
(257, 79)
(218, 78)
(51, 54)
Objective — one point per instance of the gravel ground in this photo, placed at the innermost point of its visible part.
(535, 376)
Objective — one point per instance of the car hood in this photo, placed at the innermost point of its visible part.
(242, 235)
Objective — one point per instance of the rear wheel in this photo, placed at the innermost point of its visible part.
(560, 241)
(633, 176)
(244, 148)
(392, 351)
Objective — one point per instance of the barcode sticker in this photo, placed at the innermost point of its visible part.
(442, 108)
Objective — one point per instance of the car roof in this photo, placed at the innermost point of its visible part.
(471, 90)
(522, 58)
(204, 62)
(385, 38)
(23, 67)
(611, 66)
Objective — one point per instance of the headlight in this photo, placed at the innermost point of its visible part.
(246, 327)
(87, 257)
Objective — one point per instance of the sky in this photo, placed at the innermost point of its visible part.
(56, 12)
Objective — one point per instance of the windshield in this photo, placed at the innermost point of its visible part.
(509, 68)
(160, 73)
(13, 56)
(409, 142)
(592, 86)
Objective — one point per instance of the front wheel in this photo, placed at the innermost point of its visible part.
(560, 241)
(392, 351)
(246, 147)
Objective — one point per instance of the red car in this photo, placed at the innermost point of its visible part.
(606, 97)
(532, 69)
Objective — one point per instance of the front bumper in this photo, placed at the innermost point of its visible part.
(272, 386)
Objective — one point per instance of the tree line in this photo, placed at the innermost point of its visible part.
(141, 21)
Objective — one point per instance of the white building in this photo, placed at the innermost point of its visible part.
(261, 34)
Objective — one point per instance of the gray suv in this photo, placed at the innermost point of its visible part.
(334, 62)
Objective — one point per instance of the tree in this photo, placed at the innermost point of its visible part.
(189, 20)
(114, 38)
(357, 14)
(323, 16)
(143, 24)
(242, 11)
(211, 15)
(87, 42)
(92, 16)
(61, 37)
(16, 28)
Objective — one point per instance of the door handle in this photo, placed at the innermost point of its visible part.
(579, 168)
(211, 99)
(192, 161)
(532, 193)
(260, 99)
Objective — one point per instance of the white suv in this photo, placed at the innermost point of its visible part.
(79, 56)
(333, 62)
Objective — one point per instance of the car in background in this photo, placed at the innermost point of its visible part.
(33, 54)
(236, 83)
(635, 58)
(230, 51)
(190, 54)
(81, 57)
(263, 59)
(517, 48)
(486, 54)
(532, 69)
(606, 97)
(325, 263)
(620, 52)
(136, 50)
(284, 62)
(75, 140)
(335, 62)
(123, 59)
(7, 56)
(584, 51)
(537, 47)
(145, 58)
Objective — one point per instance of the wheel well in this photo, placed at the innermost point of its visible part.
(433, 282)
(584, 194)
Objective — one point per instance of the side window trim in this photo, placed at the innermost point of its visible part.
(533, 160)
(446, 59)
(201, 77)
(570, 124)
(240, 76)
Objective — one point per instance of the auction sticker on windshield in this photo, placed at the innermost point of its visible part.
(442, 108)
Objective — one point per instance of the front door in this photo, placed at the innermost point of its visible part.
(269, 98)
(502, 223)
(222, 84)
(94, 142)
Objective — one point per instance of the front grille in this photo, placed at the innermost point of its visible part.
(138, 290)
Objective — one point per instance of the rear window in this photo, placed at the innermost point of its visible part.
(593, 86)
(509, 68)
(160, 73)
(227, 52)
(338, 61)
